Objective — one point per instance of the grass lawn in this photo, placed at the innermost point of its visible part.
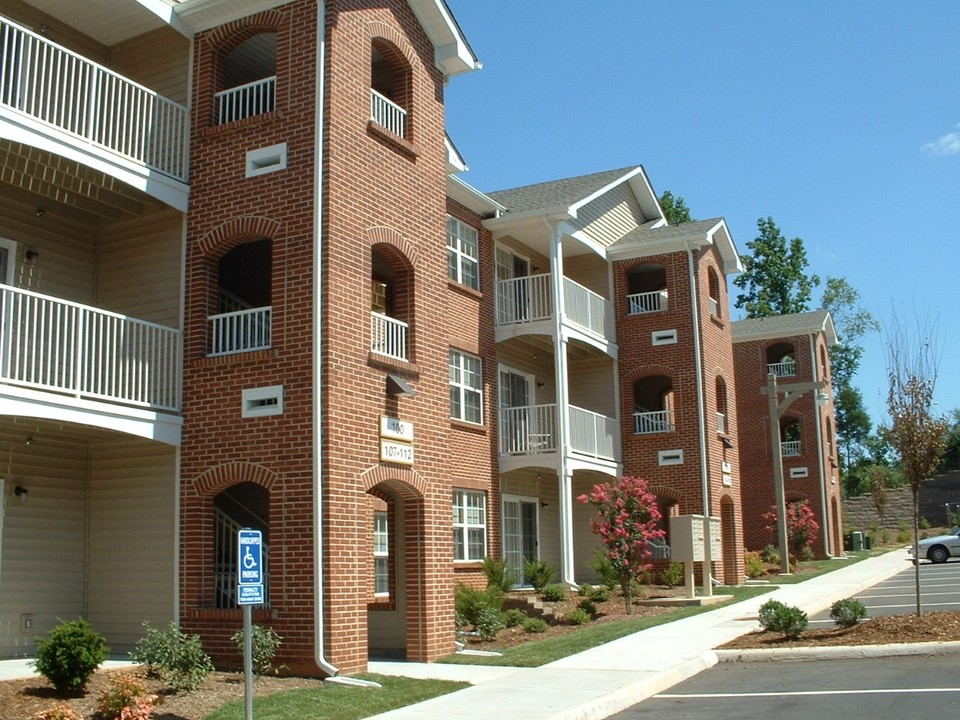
(342, 702)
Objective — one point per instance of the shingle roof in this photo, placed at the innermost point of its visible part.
(557, 193)
(776, 326)
(646, 234)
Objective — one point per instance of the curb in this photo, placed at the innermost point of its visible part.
(843, 652)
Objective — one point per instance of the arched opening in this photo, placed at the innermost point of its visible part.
(242, 317)
(836, 543)
(781, 360)
(721, 391)
(653, 405)
(248, 79)
(731, 544)
(646, 289)
(390, 88)
(244, 505)
(391, 303)
(790, 436)
(713, 288)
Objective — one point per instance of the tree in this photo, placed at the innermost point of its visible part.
(627, 518)
(917, 436)
(675, 208)
(802, 527)
(951, 453)
(774, 278)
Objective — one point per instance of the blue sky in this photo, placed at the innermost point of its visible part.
(841, 120)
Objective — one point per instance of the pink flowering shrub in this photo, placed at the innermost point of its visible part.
(626, 521)
(802, 527)
(127, 699)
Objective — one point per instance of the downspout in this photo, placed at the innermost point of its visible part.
(701, 420)
(319, 91)
(821, 460)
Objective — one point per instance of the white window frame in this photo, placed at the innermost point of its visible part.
(11, 247)
(381, 554)
(461, 388)
(463, 253)
(469, 519)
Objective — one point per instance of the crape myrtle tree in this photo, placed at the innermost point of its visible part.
(917, 436)
(627, 520)
(802, 527)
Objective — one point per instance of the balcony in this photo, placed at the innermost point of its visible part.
(387, 114)
(647, 302)
(528, 299)
(721, 423)
(790, 448)
(240, 331)
(43, 82)
(532, 430)
(389, 336)
(83, 352)
(652, 423)
(248, 100)
(787, 368)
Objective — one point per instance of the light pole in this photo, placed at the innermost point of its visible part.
(777, 407)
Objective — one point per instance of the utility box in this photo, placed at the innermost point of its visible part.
(688, 536)
(856, 540)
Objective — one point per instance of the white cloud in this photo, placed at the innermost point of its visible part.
(948, 144)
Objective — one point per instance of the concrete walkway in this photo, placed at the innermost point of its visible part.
(604, 680)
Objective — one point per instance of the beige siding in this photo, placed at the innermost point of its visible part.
(585, 543)
(43, 542)
(56, 31)
(132, 555)
(127, 249)
(592, 385)
(158, 60)
(591, 271)
(611, 216)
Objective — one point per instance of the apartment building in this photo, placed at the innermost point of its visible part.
(795, 350)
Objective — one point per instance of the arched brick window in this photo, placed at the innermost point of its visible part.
(390, 88)
(247, 79)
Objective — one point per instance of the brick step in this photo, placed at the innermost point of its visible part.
(533, 606)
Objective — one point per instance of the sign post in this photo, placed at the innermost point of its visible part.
(249, 593)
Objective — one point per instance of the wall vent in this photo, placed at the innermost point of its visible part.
(259, 402)
(663, 337)
(266, 160)
(670, 457)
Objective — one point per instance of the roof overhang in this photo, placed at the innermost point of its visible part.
(452, 52)
(664, 239)
(782, 326)
(471, 198)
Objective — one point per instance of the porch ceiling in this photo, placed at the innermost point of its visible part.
(106, 21)
(70, 183)
(544, 345)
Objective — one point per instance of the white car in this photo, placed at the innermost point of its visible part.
(940, 548)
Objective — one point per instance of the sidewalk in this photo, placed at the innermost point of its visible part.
(599, 682)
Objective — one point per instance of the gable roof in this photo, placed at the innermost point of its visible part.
(782, 326)
(561, 194)
(655, 239)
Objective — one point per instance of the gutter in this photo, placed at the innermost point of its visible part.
(821, 460)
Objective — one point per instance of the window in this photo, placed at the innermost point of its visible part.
(465, 381)
(390, 88)
(713, 286)
(242, 322)
(463, 252)
(469, 525)
(381, 554)
(248, 79)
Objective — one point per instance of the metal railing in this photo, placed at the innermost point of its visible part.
(647, 302)
(649, 423)
(225, 581)
(524, 299)
(721, 423)
(790, 448)
(247, 100)
(60, 88)
(592, 433)
(387, 113)
(787, 368)
(240, 331)
(65, 347)
(587, 309)
(388, 336)
(528, 430)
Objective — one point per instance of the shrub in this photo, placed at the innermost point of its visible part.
(514, 617)
(471, 603)
(588, 606)
(924, 524)
(604, 569)
(540, 572)
(554, 593)
(673, 575)
(60, 711)
(535, 625)
(601, 593)
(488, 622)
(498, 574)
(127, 699)
(785, 619)
(848, 612)
(70, 655)
(753, 565)
(802, 527)
(771, 554)
(265, 642)
(175, 657)
(578, 616)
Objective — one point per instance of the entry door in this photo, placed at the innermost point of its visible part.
(513, 298)
(520, 534)
(516, 399)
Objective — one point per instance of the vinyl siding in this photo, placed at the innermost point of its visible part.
(611, 216)
(158, 60)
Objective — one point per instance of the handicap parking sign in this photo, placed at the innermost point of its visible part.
(250, 564)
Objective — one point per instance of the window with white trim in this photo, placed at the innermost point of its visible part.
(463, 252)
(469, 525)
(381, 554)
(466, 378)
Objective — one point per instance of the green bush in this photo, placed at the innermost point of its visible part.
(498, 574)
(554, 593)
(535, 625)
(514, 617)
(471, 603)
(588, 606)
(771, 554)
(174, 656)
(265, 642)
(753, 565)
(70, 655)
(673, 575)
(848, 612)
(579, 616)
(540, 572)
(788, 620)
(924, 524)
(604, 569)
(488, 622)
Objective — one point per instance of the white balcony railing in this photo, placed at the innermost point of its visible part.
(650, 423)
(714, 308)
(528, 430)
(524, 299)
(387, 113)
(65, 347)
(388, 336)
(248, 100)
(60, 88)
(787, 368)
(647, 302)
(240, 331)
(790, 448)
(592, 433)
(587, 309)
(721, 423)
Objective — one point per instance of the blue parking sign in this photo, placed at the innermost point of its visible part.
(250, 560)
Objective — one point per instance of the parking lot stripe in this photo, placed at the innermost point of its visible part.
(800, 693)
